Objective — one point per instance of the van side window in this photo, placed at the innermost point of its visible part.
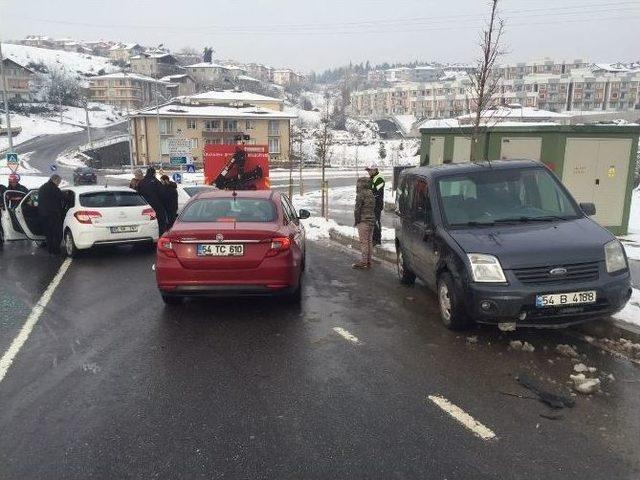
(420, 204)
(402, 196)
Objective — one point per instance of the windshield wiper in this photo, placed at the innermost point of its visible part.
(473, 224)
(524, 219)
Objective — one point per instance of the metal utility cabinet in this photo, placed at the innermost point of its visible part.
(595, 162)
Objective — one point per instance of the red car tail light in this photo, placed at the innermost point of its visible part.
(278, 244)
(149, 212)
(165, 246)
(86, 216)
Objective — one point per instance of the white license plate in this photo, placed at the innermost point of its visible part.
(562, 299)
(124, 229)
(223, 250)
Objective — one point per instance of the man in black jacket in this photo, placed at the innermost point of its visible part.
(169, 199)
(51, 212)
(151, 189)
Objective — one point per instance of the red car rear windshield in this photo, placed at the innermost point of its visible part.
(224, 209)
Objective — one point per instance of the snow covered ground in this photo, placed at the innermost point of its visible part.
(32, 127)
(631, 313)
(100, 115)
(631, 241)
(29, 177)
(55, 60)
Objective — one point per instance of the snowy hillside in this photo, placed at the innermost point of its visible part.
(32, 127)
(54, 60)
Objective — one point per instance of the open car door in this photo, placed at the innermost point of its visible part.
(11, 229)
(27, 216)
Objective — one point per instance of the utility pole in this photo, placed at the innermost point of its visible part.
(86, 116)
(158, 118)
(124, 73)
(5, 94)
(301, 161)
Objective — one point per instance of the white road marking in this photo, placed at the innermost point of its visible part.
(32, 319)
(346, 335)
(463, 417)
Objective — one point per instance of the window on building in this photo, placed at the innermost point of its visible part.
(230, 125)
(274, 144)
(164, 146)
(165, 126)
(192, 123)
(250, 125)
(212, 125)
(193, 143)
(274, 127)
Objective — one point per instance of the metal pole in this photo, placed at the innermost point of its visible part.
(300, 159)
(326, 202)
(158, 118)
(86, 115)
(5, 94)
(130, 143)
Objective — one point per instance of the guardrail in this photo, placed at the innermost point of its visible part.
(104, 142)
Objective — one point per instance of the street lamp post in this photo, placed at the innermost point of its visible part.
(5, 94)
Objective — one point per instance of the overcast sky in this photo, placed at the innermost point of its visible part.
(318, 34)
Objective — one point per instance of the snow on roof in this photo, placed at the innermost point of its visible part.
(205, 65)
(517, 112)
(178, 76)
(134, 76)
(180, 110)
(440, 123)
(233, 67)
(611, 67)
(232, 95)
(405, 122)
(247, 78)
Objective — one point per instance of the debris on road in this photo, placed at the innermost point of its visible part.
(567, 350)
(507, 326)
(585, 385)
(472, 339)
(515, 344)
(582, 368)
(551, 399)
(524, 346)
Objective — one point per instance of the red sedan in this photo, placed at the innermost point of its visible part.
(233, 243)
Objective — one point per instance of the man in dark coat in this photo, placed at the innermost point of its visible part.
(169, 199)
(14, 199)
(51, 212)
(151, 189)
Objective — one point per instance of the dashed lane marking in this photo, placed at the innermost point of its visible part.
(346, 335)
(463, 417)
(32, 320)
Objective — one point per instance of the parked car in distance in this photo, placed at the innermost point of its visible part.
(187, 192)
(84, 176)
(505, 243)
(95, 216)
(233, 243)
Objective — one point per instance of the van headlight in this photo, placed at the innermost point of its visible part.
(614, 257)
(486, 268)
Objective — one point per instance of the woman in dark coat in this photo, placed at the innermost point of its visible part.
(152, 191)
(169, 199)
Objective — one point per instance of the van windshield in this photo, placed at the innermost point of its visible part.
(494, 196)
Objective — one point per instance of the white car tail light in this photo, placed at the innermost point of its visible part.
(86, 216)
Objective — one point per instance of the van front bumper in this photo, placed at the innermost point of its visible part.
(517, 302)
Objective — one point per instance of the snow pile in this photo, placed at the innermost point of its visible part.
(585, 385)
(100, 115)
(70, 160)
(631, 242)
(34, 126)
(23, 168)
(55, 60)
(631, 312)
(318, 228)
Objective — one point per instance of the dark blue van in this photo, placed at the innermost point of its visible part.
(505, 243)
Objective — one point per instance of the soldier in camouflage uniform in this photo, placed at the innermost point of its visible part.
(364, 220)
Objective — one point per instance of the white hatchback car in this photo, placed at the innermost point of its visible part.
(95, 216)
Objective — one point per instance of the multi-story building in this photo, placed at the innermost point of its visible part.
(234, 71)
(287, 78)
(128, 91)
(546, 66)
(155, 65)
(208, 124)
(206, 74)
(181, 84)
(236, 99)
(259, 71)
(427, 73)
(19, 80)
(124, 51)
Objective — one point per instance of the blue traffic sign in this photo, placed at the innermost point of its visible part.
(54, 168)
(12, 158)
(177, 177)
(178, 160)
(191, 168)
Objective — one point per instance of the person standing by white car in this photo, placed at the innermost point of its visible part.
(51, 212)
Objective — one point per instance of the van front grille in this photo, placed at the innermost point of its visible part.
(578, 272)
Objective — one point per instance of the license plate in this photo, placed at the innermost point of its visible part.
(124, 229)
(223, 250)
(562, 299)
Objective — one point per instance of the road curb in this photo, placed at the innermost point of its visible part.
(347, 241)
(604, 328)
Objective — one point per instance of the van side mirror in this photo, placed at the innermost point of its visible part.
(589, 209)
(302, 214)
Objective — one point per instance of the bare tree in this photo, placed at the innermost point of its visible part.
(324, 142)
(485, 80)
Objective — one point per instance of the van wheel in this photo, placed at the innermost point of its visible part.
(405, 275)
(171, 299)
(70, 245)
(452, 311)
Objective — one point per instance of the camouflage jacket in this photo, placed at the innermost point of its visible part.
(365, 202)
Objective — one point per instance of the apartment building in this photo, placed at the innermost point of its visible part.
(208, 124)
(259, 71)
(155, 65)
(206, 74)
(124, 51)
(545, 66)
(128, 91)
(400, 74)
(287, 78)
(19, 80)
(581, 90)
(235, 98)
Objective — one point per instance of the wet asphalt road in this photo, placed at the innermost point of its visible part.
(113, 384)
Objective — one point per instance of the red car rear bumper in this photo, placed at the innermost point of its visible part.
(275, 275)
